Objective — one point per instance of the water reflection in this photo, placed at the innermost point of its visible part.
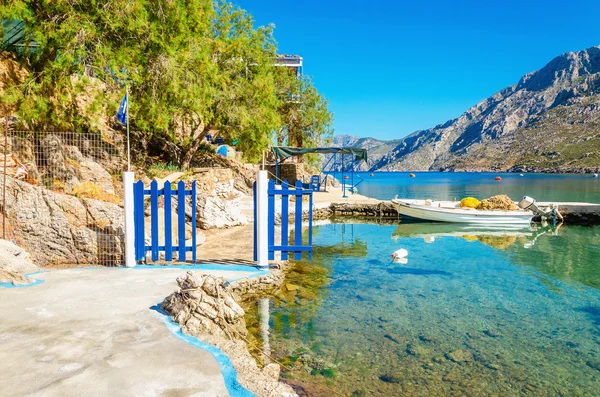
(472, 310)
(430, 231)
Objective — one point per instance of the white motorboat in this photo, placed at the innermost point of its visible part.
(450, 211)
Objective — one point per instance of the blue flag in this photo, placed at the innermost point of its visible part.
(123, 110)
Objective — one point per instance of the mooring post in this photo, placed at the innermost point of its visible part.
(129, 222)
(262, 210)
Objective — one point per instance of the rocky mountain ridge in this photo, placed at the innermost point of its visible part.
(549, 121)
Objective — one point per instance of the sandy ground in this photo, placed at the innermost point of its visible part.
(334, 195)
(91, 332)
(234, 245)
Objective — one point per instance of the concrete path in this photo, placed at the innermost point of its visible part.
(92, 333)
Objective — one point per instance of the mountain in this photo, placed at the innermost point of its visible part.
(377, 150)
(549, 121)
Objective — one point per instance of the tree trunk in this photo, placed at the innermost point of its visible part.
(187, 158)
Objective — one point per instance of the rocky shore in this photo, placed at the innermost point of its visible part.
(207, 307)
(15, 264)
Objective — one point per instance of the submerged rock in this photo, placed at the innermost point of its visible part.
(460, 356)
(593, 364)
(491, 333)
(391, 378)
(395, 338)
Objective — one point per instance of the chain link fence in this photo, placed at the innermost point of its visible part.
(76, 219)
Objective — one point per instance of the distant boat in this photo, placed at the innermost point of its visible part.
(450, 211)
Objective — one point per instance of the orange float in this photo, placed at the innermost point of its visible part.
(498, 178)
(412, 175)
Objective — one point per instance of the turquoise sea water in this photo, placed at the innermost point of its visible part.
(447, 186)
(472, 312)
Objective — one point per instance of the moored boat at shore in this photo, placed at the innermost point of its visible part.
(450, 211)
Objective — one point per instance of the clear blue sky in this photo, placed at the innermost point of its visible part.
(390, 68)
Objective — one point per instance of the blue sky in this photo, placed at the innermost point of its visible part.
(390, 68)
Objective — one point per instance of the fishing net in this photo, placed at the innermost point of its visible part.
(469, 202)
(499, 202)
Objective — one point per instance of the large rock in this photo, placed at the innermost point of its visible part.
(15, 263)
(206, 308)
(205, 305)
(216, 212)
(61, 229)
(65, 164)
(56, 160)
(90, 171)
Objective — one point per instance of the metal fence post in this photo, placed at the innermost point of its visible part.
(262, 209)
(129, 219)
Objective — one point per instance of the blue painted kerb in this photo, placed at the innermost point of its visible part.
(234, 388)
(34, 281)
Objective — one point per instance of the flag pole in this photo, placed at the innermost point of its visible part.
(127, 120)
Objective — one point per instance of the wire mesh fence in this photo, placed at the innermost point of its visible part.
(76, 219)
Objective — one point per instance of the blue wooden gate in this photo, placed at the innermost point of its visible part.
(139, 195)
(285, 192)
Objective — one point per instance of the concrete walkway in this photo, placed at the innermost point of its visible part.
(92, 333)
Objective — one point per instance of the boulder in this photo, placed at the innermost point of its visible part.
(205, 305)
(90, 171)
(55, 158)
(15, 263)
(216, 212)
(61, 229)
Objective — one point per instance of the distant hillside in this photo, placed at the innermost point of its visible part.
(377, 150)
(548, 121)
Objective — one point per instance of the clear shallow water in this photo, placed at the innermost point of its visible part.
(472, 312)
(447, 186)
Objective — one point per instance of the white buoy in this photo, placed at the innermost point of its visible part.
(400, 253)
(520, 174)
(595, 175)
(402, 261)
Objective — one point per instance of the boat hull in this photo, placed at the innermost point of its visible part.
(459, 215)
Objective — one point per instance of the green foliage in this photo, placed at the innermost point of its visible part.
(305, 117)
(192, 66)
(160, 169)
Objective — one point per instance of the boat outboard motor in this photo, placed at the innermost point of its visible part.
(528, 203)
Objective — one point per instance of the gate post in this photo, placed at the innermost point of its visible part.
(129, 222)
(262, 209)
